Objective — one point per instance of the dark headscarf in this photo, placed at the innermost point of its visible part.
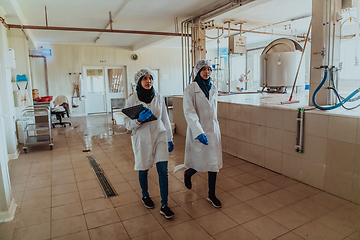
(204, 84)
(144, 95)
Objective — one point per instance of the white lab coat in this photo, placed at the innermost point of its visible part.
(150, 140)
(201, 117)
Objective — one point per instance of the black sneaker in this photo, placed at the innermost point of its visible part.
(166, 212)
(148, 202)
(187, 181)
(215, 202)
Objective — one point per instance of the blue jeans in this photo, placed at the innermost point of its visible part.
(163, 182)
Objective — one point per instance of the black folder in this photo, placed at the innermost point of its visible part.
(134, 111)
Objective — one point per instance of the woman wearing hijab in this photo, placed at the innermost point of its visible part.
(152, 140)
(203, 139)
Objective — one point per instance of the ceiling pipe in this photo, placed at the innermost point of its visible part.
(15, 26)
(287, 20)
(115, 15)
(258, 32)
(221, 8)
(46, 20)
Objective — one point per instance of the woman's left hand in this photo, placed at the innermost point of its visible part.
(171, 146)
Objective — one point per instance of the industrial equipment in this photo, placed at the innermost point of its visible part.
(279, 62)
(237, 44)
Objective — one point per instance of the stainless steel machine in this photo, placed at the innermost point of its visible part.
(279, 63)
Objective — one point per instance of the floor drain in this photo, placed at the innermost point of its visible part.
(86, 150)
(109, 191)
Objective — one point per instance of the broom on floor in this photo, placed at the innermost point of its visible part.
(297, 73)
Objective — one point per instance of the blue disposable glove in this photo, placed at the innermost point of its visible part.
(145, 114)
(202, 138)
(171, 146)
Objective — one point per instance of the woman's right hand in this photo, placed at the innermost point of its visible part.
(203, 139)
(145, 114)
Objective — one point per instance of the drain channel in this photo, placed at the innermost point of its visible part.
(106, 186)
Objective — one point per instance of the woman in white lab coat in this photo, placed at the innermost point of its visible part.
(151, 141)
(203, 139)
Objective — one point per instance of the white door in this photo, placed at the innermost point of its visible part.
(95, 90)
(116, 85)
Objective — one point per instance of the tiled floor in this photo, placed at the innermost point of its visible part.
(59, 197)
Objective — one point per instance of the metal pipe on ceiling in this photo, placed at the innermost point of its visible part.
(287, 20)
(257, 32)
(115, 15)
(74, 29)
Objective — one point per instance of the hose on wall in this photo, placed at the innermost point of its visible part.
(341, 103)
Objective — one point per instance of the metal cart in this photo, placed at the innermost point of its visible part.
(116, 104)
(37, 126)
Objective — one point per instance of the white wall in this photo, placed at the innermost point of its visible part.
(350, 73)
(67, 59)
(18, 42)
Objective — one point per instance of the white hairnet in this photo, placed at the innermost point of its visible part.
(200, 64)
(143, 72)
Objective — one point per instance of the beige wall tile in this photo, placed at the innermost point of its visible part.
(274, 118)
(358, 132)
(221, 111)
(316, 124)
(257, 115)
(178, 116)
(223, 143)
(357, 160)
(231, 111)
(222, 124)
(342, 129)
(313, 174)
(244, 150)
(243, 131)
(244, 113)
(231, 146)
(338, 182)
(291, 166)
(340, 155)
(290, 122)
(273, 138)
(289, 140)
(231, 128)
(314, 149)
(273, 160)
(257, 134)
(356, 189)
(257, 155)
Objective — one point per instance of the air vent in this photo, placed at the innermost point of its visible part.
(134, 57)
(108, 190)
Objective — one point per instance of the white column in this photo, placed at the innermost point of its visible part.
(7, 203)
(7, 133)
(322, 52)
(6, 95)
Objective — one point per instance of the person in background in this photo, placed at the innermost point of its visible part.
(203, 151)
(242, 80)
(151, 141)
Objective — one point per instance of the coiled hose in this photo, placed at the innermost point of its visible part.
(341, 103)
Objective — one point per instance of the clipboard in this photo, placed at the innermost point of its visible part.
(134, 111)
